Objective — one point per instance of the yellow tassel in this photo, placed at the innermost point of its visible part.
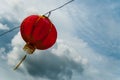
(20, 62)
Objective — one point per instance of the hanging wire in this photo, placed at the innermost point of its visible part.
(8, 31)
(49, 13)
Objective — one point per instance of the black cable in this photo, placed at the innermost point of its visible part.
(8, 31)
(58, 7)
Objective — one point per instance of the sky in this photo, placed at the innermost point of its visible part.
(87, 46)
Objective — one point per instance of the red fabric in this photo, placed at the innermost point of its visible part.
(38, 31)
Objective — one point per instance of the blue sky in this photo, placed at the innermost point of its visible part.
(87, 48)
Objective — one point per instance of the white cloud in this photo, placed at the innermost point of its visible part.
(4, 27)
(61, 52)
(14, 55)
(68, 59)
(2, 53)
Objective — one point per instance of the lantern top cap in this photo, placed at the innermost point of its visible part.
(44, 16)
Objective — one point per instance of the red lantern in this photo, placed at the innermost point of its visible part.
(38, 32)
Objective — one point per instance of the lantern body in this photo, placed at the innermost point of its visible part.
(38, 32)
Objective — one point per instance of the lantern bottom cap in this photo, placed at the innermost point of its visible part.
(29, 48)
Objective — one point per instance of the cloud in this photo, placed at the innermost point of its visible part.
(58, 62)
(16, 51)
(87, 47)
(3, 27)
(64, 61)
(97, 23)
(2, 53)
(52, 67)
